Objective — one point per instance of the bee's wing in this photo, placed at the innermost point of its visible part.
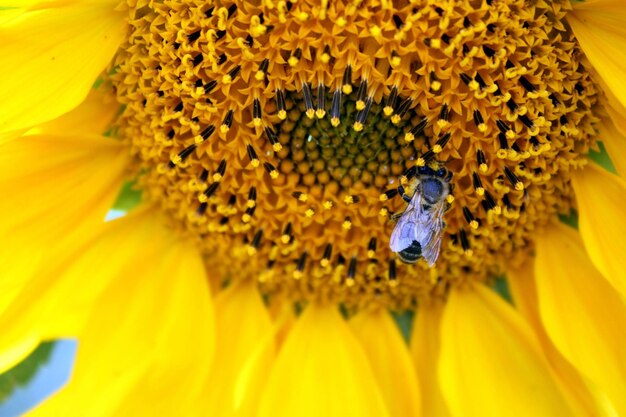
(433, 222)
(404, 233)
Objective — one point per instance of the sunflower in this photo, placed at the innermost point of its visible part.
(271, 143)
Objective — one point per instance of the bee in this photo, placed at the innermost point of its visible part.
(419, 230)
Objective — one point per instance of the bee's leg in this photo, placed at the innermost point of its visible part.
(404, 196)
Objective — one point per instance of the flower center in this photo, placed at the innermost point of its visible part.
(279, 135)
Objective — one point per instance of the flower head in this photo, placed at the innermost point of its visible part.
(276, 144)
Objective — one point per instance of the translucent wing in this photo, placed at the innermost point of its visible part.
(404, 233)
(431, 227)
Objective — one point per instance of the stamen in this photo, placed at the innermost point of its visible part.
(482, 162)
(391, 102)
(286, 236)
(402, 109)
(256, 112)
(362, 92)
(308, 100)
(254, 159)
(441, 142)
(280, 104)
(273, 138)
(371, 248)
(519, 186)
(298, 273)
(205, 134)
(469, 218)
(251, 198)
(328, 252)
(346, 86)
(478, 185)
(320, 112)
(335, 108)
(270, 170)
(362, 115)
(227, 122)
(417, 130)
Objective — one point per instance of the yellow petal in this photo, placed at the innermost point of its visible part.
(583, 315)
(425, 348)
(614, 141)
(600, 197)
(51, 56)
(390, 360)
(600, 27)
(61, 188)
(92, 116)
(244, 335)
(582, 397)
(491, 363)
(147, 346)
(321, 371)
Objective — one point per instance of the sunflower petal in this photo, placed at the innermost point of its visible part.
(583, 400)
(600, 197)
(390, 360)
(614, 141)
(486, 344)
(244, 335)
(147, 346)
(583, 315)
(425, 348)
(600, 27)
(321, 370)
(44, 56)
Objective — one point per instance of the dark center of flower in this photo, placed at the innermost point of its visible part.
(279, 133)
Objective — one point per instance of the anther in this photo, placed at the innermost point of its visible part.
(441, 142)
(347, 223)
(262, 71)
(351, 199)
(273, 138)
(401, 111)
(465, 243)
(362, 115)
(210, 86)
(197, 60)
(300, 196)
(251, 198)
(397, 20)
(193, 36)
(308, 100)
(257, 112)
(488, 203)
(388, 194)
(286, 236)
(555, 101)
(221, 169)
(362, 92)
(227, 122)
(232, 74)
(202, 208)
(211, 189)
(482, 161)
(488, 51)
(232, 9)
(335, 108)
(371, 248)
(209, 11)
(320, 112)
(527, 122)
(479, 121)
(179, 107)
(502, 126)
(204, 175)
(247, 215)
(478, 185)
(416, 130)
(465, 78)
(346, 86)
(512, 105)
(480, 81)
(519, 186)
(328, 252)
(391, 102)
(205, 134)
(270, 170)
(527, 84)
(254, 159)
(280, 104)
(393, 276)
(352, 269)
(182, 155)
(297, 274)
(469, 218)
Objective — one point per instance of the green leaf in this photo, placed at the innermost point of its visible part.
(501, 286)
(128, 198)
(21, 374)
(602, 158)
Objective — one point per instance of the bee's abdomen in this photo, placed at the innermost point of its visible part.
(412, 253)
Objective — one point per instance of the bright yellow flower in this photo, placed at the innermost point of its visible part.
(269, 140)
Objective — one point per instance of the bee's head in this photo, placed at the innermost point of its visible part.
(432, 189)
